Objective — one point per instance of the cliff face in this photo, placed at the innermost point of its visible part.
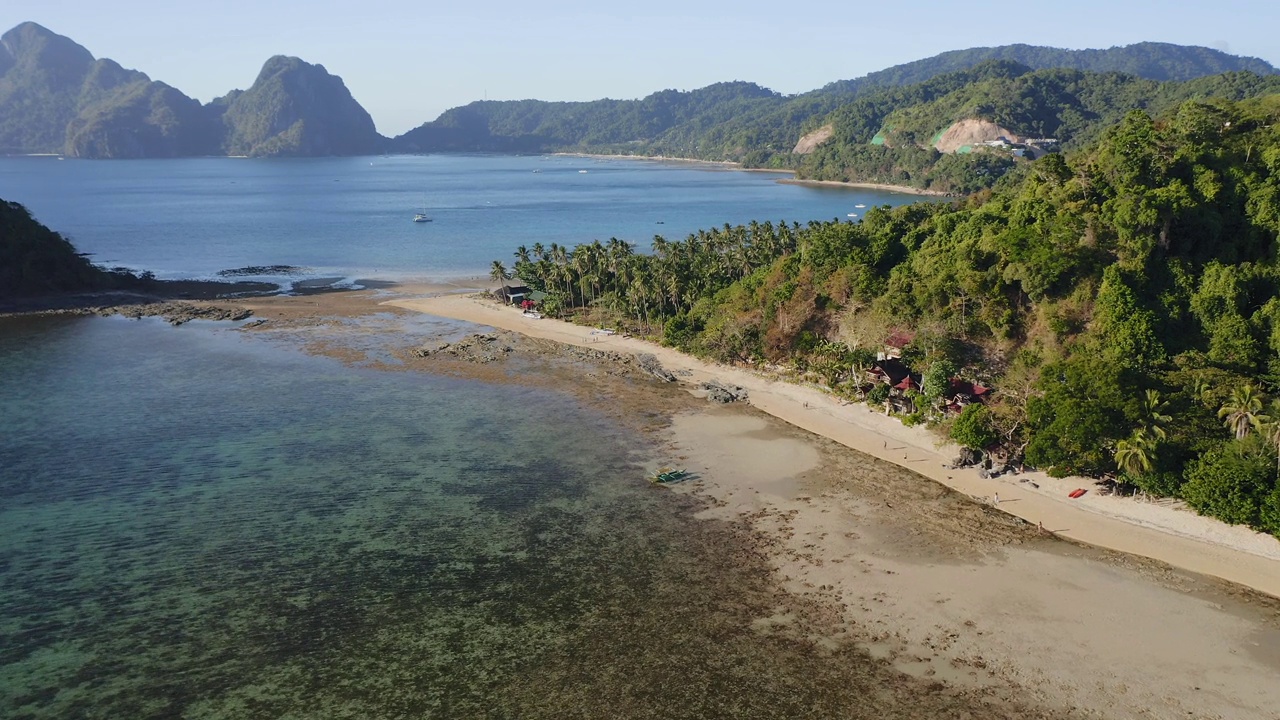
(296, 109)
(56, 98)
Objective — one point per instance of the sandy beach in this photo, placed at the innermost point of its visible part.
(1161, 532)
(904, 189)
(944, 586)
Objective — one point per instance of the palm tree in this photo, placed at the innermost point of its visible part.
(1135, 455)
(498, 273)
(1243, 410)
(1153, 407)
(1270, 431)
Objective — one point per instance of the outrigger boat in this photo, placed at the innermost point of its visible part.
(665, 475)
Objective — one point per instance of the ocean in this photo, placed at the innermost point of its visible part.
(203, 523)
(352, 218)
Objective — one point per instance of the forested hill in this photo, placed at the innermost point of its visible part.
(1123, 301)
(945, 134)
(1151, 60)
(744, 122)
(56, 98)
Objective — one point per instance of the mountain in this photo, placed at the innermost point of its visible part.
(1150, 60)
(962, 131)
(534, 125)
(55, 97)
(758, 127)
(296, 108)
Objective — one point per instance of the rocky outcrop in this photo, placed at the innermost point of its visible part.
(649, 363)
(298, 109)
(723, 393)
(478, 348)
(176, 313)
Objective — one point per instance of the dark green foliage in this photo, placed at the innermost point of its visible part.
(1232, 482)
(1080, 417)
(34, 260)
(973, 428)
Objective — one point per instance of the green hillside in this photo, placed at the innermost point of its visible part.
(889, 136)
(1151, 60)
(1123, 301)
(746, 123)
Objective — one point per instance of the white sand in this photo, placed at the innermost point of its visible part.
(1049, 626)
(1159, 531)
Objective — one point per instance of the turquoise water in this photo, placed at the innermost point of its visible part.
(352, 217)
(200, 524)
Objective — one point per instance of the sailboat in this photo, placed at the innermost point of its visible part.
(422, 216)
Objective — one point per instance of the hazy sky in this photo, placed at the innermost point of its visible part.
(407, 61)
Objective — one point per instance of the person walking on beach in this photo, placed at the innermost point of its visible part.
(995, 499)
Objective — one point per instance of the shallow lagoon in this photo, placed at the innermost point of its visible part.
(200, 524)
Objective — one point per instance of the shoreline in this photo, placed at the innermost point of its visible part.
(726, 164)
(1178, 538)
(884, 187)
(653, 158)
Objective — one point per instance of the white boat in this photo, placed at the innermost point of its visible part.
(853, 214)
(422, 216)
(859, 205)
(582, 172)
(532, 314)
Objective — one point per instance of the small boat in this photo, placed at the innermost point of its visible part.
(582, 172)
(664, 476)
(532, 314)
(422, 217)
(853, 214)
(859, 206)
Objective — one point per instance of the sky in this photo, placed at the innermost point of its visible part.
(406, 61)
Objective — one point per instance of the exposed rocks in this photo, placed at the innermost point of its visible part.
(723, 393)
(262, 270)
(479, 348)
(649, 363)
(176, 313)
(968, 458)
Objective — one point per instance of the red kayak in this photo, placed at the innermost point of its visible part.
(1077, 493)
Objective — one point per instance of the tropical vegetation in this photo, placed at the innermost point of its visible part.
(1123, 300)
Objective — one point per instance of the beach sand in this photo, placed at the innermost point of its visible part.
(927, 576)
(970, 602)
(1161, 532)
